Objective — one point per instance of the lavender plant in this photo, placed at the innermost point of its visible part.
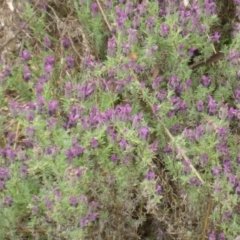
(123, 139)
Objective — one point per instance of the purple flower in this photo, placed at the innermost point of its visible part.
(114, 158)
(26, 74)
(161, 96)
(65, 43)
(2, 185)
(94, 143)
(51, 123)
(222, 236)
(164, 30)
(217, 188)
(125, 48)
(52, 107)
(168, 149)
(191, 51)
(83, 222)
(48, 68)
(200, 106)
(215, 38)
(48, 203)
(144, 133)
(212, 236)
(112, 47)
(30, 132)
(150, 25)
(109, 4)
(23, 171)
(133, 36)
(154, 146)
(129, 8)
(77, 150)
(47, 42)
(70, 155)
(192, 181)
(73, 201)
(123, 144)
(149, 52)
(174, 82)
(159, 190)
(212, 106)
(216, 171)
(150, 176)
(94, 9)
(8, 201)
(70, 62)
(206, 81)
(227, 216)
(232, 113)
(10, 154)
(156, 82)
(92, 216)
(136, 22)
(142, 8)
(49, 60)
(25, 55)
(42, 80)
(38, 89)
(4, 174)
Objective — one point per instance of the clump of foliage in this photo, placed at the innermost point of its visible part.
(115, 136)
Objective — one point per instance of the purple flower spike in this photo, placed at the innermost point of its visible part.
(70, 62)
(23, 171)
(144, 133)
(114, 158)
(83, 222)
(47, 42)
(215, 38)
(38, 89)
(200, 106)
(212, 236)
(65, 43)
(112, 46)
(26, 74)
(92, 216)
(133, 36)
(4, 174)
(159, 190)
(8, 201)
(212, 106)
(174, 82)
(164, 30)
(52, 107)
(150, 176)
(25, 55)
(206, 81)
(216, 171)
(49, 60)
(222, 236)
(94, 9)
(123, 144)
(48, 68)
(2, 185)
(68, 90)
(48, 203)
(150, 25)
(73, 201)
(94, 143)
(129, 8)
